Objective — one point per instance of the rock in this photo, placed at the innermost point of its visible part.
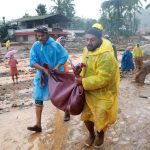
(110, 138)
(14, 105)
(122, 122)
(50, 131)
(142, 96)
(7, 110)
(115, 140)
(7, 103)
(123, 142)
(133, 128)
(127, 139)
(113, 133)
(2, 98)
(28, 103)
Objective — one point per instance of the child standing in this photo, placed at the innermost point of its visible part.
(13, 68)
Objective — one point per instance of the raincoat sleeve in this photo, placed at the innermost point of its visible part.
(33, 56)
(123, 57)
(134, 52)
(104, 71)
(141, 53)
(62, 54)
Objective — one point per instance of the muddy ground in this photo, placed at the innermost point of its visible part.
(130, 132)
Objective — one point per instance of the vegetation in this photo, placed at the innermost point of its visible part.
(82, 23)
(148, 5)
(41, 10)
(65, 7)
(3, 33)
(26, 15)
(119, 16)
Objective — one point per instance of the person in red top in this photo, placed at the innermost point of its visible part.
(13, 68)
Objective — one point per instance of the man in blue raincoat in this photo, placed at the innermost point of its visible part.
(45, 50)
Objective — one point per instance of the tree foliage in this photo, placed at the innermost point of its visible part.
(82, 23)
(65, 7)
(148, 5)
(89, 23)
(41, 10)
(78, 23)
(119, 16)
(26, 15)
(3, 33)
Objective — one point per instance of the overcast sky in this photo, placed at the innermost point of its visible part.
(13, 9)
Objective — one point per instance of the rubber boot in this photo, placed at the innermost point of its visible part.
(90, 126)
(99, 140)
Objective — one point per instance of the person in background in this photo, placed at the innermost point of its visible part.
(8, 44)
(62, 41)
(13, 68)
(100, 80)
(127, 61)
(138, 57)
(45, 50)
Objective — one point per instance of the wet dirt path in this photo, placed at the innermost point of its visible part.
(130, 132)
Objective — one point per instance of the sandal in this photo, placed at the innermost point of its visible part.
(35, 128)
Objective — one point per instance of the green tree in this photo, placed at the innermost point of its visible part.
(26, 15)
(82, 23)
(118, 16)
(78, 23)
(148, 5)
(3, 33)
(41, 10)
(3, 20)
(89, 23)
(65, 7)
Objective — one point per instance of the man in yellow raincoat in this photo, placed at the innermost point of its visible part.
(100, 79)
(7, 44)
(138, 57)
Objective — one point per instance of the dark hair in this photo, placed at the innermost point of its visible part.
(42, 29)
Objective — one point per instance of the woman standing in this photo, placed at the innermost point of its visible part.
(127, 61)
